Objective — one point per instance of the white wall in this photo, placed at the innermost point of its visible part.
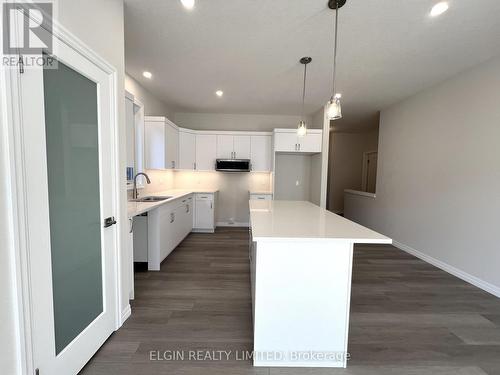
(292, 177)
(438, 188)
(220, 121)
(152, 105)
(346, 164)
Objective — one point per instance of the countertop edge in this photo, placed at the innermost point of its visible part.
(176, 194)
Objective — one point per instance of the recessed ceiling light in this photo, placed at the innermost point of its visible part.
(188, 4)
(439, 9)
(219, 93)
(147, 75)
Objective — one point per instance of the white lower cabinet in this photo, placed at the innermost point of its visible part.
(204, 220)
(159, 232)
(167, 226)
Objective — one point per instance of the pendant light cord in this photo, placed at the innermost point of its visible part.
(335, 47)
(304, 90)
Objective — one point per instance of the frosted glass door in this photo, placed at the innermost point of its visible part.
(71, 128)
(68, 136)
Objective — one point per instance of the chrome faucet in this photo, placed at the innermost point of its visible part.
(135, 193)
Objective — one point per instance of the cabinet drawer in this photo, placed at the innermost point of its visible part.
(204, 197)
(266, 197)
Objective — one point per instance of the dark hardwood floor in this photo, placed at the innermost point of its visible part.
(407, 317)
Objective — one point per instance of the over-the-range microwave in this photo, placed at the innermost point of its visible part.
(233, 165)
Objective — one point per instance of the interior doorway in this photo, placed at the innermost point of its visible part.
(369, 181)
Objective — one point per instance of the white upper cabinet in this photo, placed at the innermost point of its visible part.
(242, 147)
(261, 155)
(286, 140)
(154, 143)
(225, 146)
(233, 146)
(311, 142)
(161, 143)
(206, 152)
(187, 149)
(172, 142)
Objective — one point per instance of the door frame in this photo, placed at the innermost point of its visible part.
(364, 179)
(18, 215)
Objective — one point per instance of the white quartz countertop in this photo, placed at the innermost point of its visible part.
(278, 220)
(138, 208)
(263, 192)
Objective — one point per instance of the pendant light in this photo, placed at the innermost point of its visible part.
(334, 110)
(302, 129)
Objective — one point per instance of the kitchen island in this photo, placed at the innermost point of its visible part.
(301, 265)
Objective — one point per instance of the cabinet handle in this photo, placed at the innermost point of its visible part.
(299, 146)
(194, 165)
(131, 228)
(172, 217)
(211, 205)
(187, 208)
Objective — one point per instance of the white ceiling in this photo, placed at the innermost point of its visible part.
(388, 50)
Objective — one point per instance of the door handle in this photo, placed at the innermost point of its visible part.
(109, 221)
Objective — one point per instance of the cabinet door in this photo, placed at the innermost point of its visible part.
(187, 150)
(188, 225)
(179, 224)
(206, 151)
(225, 146)
(204, 215)
(260, 155)
(285, 142)
(172, 142)
(165, 231)
(311, 142)
(241, 147)
(186, 213)
(154, 141)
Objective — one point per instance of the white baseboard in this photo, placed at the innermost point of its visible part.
(236, 224)
(484, 285)
(126, 312)
(202, 231)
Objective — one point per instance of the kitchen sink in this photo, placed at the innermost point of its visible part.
(151, 199)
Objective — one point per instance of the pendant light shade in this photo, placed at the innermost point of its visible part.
(302, 129)
(334, 108)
